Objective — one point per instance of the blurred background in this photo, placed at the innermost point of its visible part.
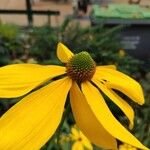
(112, 31)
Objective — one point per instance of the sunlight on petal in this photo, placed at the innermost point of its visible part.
(119, 81)
(77, 146)
(19, 79)
(75, 134)
(63, 53)
(31, 122)
(107, 67)
(106, 118)
(122, 104)
(86, 142)
(87, 122)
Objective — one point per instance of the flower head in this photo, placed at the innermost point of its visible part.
(81, 67)
(32, 121)
(122, 53)
(126, 147)
(80, 140)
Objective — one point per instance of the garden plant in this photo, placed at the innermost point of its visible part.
(81, 93)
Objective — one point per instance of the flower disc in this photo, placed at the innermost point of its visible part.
(81, 67)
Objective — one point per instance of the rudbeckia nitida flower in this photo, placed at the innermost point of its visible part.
(30, 123)
(80, 142)
(126, 147)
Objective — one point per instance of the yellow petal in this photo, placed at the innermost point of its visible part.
(87, 122)
(31, 122)
(63, 53)
(85, 141)
(107, 67)
(122, 104)
(119, 81)
(74, 134)
(77, 146)
(106, 118)
(19, 79)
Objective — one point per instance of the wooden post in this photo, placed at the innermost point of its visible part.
(29, 12)
(49, 20)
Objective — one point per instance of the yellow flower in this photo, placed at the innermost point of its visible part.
(126, 147)
(64, 138)
(80, 141)
(122, 53)
(30, 123)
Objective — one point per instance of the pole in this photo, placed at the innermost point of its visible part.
(29, 12)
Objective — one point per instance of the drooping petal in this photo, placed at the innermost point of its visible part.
(87, 122)
(19, 79)
(31, 122)
(106, 118)
(122, 104)
(119, 81)
(63, 53)
(106, 66)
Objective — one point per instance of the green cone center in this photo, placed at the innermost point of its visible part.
(81, 67)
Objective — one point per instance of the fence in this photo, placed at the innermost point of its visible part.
(29, 12)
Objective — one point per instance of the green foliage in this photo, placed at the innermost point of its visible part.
(43, 42)
(9, 31)
(10, 43)
(94, 39)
